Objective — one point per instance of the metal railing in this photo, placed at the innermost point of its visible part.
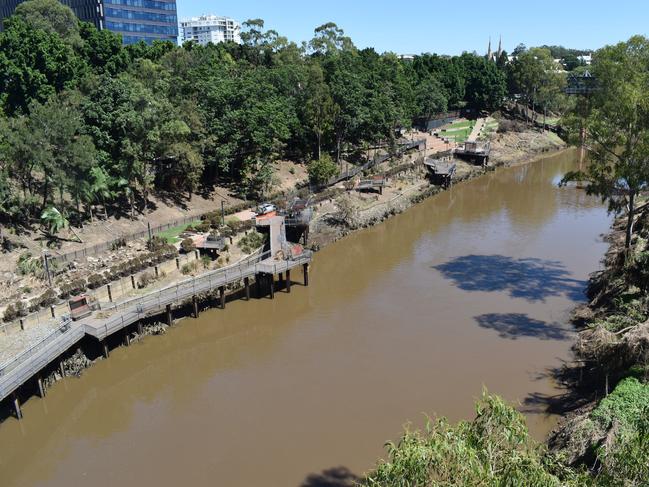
(66, 324)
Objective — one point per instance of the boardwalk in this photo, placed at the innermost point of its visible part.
(29, 364)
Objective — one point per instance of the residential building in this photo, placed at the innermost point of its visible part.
(135, 20)
(210, 28)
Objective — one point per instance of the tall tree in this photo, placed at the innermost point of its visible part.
(618, 127)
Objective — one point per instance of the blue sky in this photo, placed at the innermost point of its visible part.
(448, 26)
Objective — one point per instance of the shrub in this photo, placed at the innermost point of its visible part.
(205, 226)
(10, 314)
(320, 171)
(156, 243)
(95, 281)
(144, 280)
(48, 298)
(188, 245)
(206, 261)
(251, 242)
(189, 268)
(118, 244)
(29, 265)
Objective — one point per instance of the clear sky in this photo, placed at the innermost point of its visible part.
(447, 26)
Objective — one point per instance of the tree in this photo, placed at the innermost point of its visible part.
(320, 109)
(52, 17)
(321, 170)
(35, 64)
(430, 97)
(53, 220)
(618, 128)
(530, 71)
(492, 449)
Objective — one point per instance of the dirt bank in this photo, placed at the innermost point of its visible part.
(408, 185)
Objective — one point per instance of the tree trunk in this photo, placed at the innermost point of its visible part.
(629, 221)
(319, 147)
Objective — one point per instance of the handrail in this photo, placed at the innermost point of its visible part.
(13, 363)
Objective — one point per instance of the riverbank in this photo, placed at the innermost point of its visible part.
(408, 185)
(399, 319)
(606, 406)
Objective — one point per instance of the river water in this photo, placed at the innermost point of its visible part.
(470, 289)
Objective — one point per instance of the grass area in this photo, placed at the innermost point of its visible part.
(171, 234)
(461, 125)
(459, 135)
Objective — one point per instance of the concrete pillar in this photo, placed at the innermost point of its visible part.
(288, 281)
(280, 280)
(127, 339)
(222, 296)
(157, 272)
(41, 387)
(258, 284)
(62, 369)
(246, 285)
(16, 401)
(305, 267)
(271, 285)
(52, 311)
(133, 281)
(140, 328)
(22, 324)
(195, 306)
(170, 318)
(110, 293)
(104, 348)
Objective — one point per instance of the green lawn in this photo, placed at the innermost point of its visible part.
(171, 234)
(461, 125)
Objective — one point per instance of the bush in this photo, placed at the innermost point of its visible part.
(206, 261)
(189, 268)
(205, 226)
(95, 281)
(144, 280)
(48, 298)
(505, 125)
(320, 171)
(29, 265)
(156, 243)
(251, 242)
(188, 245)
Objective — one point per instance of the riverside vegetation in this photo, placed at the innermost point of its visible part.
(118, 123)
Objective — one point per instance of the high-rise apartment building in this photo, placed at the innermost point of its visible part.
(210, 28)
(135, 20)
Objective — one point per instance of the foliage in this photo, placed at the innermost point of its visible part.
(492, 450)
(29, 265)
(52, 219)
(120, 122)
(617, 124)
(251, 242)
(320, 171)
(187, 245)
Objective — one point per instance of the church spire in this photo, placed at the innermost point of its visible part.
(489, 50)
(500, 47)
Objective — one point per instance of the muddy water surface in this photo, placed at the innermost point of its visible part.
(471, 288)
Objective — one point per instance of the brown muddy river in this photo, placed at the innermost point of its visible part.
(471, 288)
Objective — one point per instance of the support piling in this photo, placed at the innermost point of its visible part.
(222, 296)
(18, 411)
(246, 285)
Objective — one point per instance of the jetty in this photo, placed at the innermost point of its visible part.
(441, 171)
(122, 318)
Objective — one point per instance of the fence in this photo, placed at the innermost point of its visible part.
(344, 176)
(105, 246)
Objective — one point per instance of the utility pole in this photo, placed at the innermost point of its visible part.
(47, 267)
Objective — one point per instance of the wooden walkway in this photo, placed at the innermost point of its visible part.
(30, 363)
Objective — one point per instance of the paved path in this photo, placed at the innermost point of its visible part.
(477, 129)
